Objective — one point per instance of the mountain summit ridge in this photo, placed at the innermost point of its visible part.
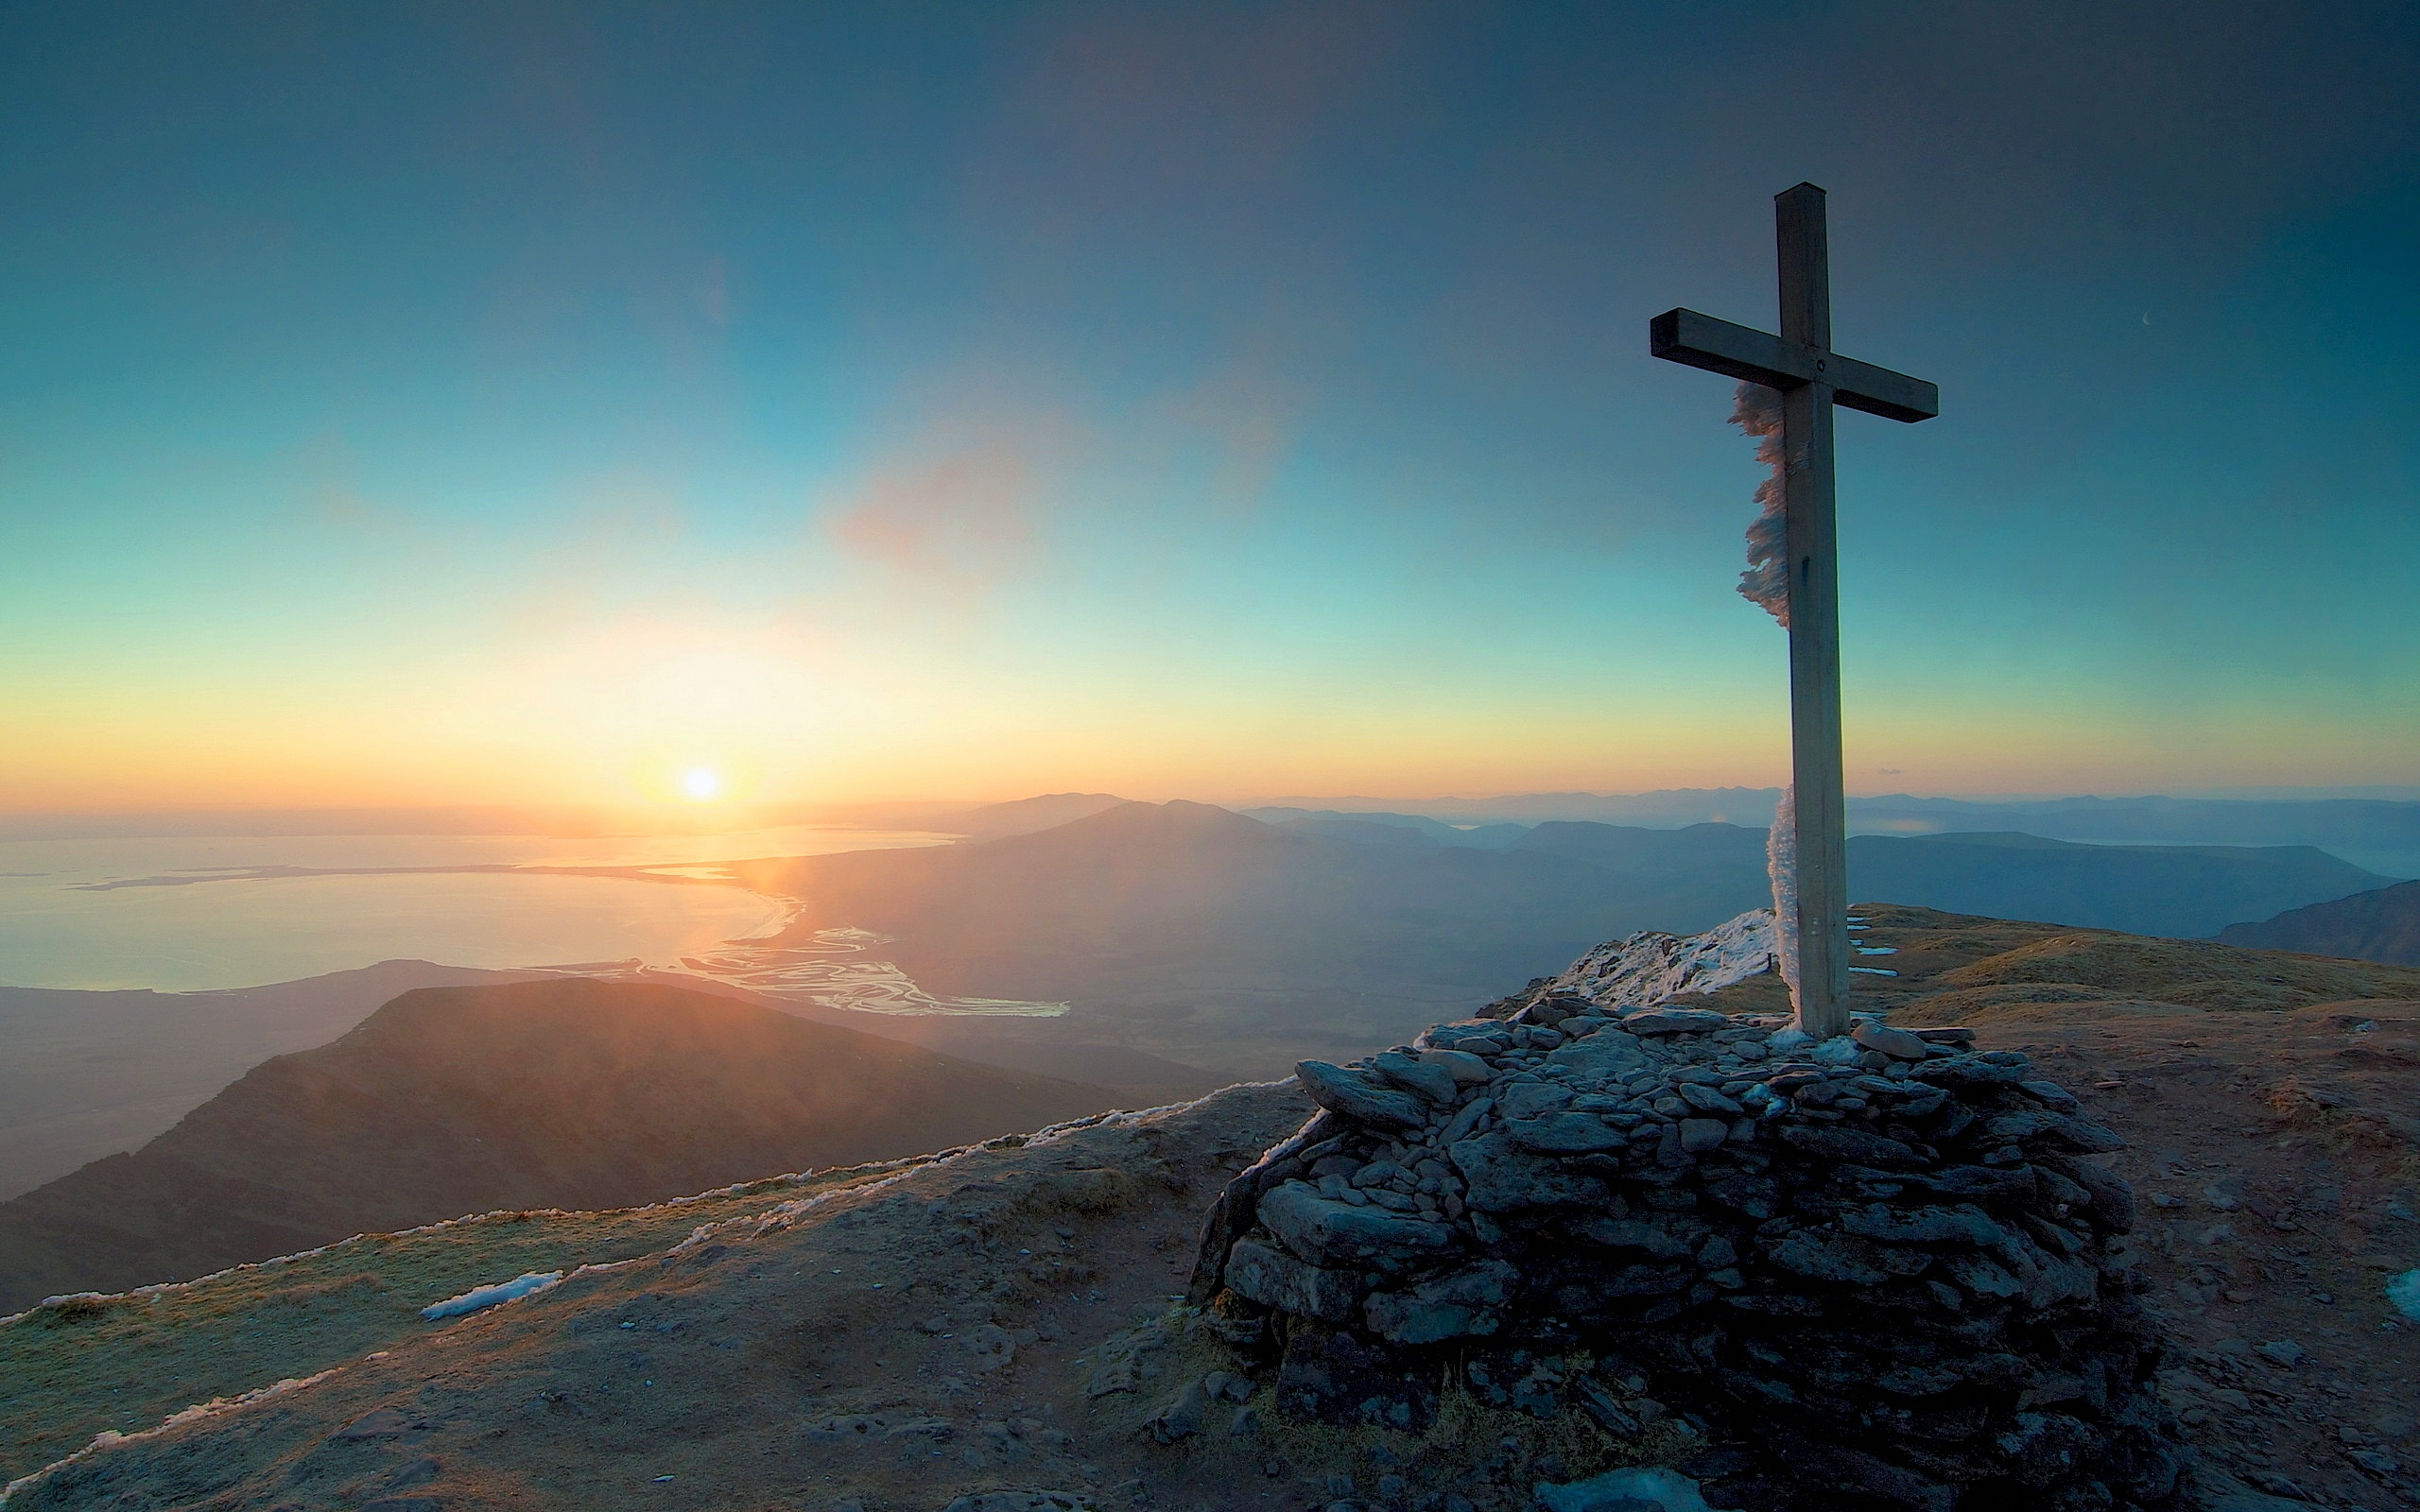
(815, 1342)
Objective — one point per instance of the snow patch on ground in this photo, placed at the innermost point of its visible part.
(2404, 1291)
(482, 1296)
(1646, 1490)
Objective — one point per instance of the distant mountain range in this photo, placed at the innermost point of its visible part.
(1197, 944)
(2188, 892)
(1237, 944)
(1381, 828)
(997, 821)
(2379, 925)
(563, 1093)
(2369, 831)
(2349, 826)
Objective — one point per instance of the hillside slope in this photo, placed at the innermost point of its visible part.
(88, 1073)
(2381, 925)
(556, 1094)
(995, 1321)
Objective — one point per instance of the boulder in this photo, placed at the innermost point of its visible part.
(1501, 1177)
(1970, 1071)
(1275, 1279)
(1675, 1020)
(1481, 1035)
(1609, 1054)
(1699, 1134)
(1564, 1134)
(1418, 1074)
(1359, 1096)
(1182, 1416)
(1849, 1146)
(1465, 1067)
(1325, 1233)
(1523, 1100)
(1458, 1304)
(2111, 1200)
(1897, 1043)
(1846, 1259)
(2049, 1093)
(1658, 1241)
(1962, 1225)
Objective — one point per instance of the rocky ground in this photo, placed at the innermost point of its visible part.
(2271, 1103)
(1873, 1272)
(999, 1322)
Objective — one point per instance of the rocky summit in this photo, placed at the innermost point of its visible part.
(1881, 1271)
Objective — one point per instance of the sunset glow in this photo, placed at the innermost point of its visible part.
(701, 785)
(1266, 450)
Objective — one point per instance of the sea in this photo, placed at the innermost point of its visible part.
(198, 913)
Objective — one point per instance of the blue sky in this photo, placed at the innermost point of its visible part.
(497, 404)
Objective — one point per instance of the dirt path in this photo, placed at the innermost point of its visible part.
(2275, 1166)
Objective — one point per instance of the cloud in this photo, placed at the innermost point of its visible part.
(958, 508)
(1248, 410)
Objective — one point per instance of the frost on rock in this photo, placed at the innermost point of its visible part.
(479, 1296)
(1651, 966)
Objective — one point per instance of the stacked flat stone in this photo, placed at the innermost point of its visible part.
(1878, 1272)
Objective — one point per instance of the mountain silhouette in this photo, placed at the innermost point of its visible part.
(556, 1093)
(1223, 942)
(92, 1073)
(2382, 924)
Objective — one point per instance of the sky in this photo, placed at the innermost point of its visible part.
(502, 404)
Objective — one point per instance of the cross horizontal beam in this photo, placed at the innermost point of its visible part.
(1758, 357)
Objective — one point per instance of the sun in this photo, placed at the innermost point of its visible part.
(700, 784)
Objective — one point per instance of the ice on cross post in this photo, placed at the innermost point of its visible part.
(1811, 377)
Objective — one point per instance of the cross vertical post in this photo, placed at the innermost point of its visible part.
(1810, 376)
(1818, 781)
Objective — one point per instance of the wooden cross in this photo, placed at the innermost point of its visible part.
(1812, 377)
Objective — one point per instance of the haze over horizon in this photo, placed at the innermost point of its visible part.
(541, 406)
(672, 817)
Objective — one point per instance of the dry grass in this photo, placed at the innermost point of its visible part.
(2195, 974)
(76, 1367)
(1471, 1443)
(2022, 1007)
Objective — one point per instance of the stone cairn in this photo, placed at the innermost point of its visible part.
(1874, 1272)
